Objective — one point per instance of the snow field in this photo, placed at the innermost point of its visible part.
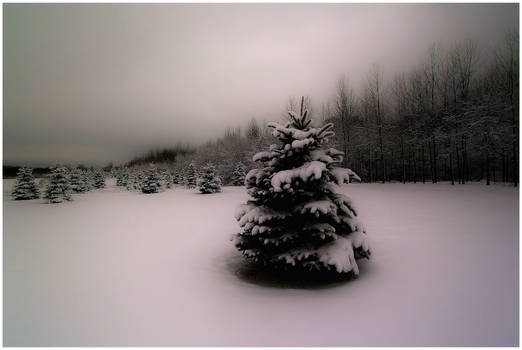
(119, 268)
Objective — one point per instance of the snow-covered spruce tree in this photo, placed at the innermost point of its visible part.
(89, 177)
(98, 180)
(140, 176)
(78, 181)
(59, 187)
(115, 171)
(175, 177)
(178, 178)
(131, 181)
(209, 182)
(165, 177)
(297, 218)
(122, 177)
(66, 171)
(25, 185)
(151, 182)
(191, 176)
(238, 177)
(87, 180)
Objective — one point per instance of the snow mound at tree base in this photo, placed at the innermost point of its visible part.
(339, 255)
(344, 251)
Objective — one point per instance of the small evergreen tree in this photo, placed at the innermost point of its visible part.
(98, 179)
(89, 176)
(115, 171)
(297, 217)
(238, 177)
(87, 180)
(191, 176)
(178, 178)
(175, 178)
(122, 177)
(131, 181)
(209, 182)
(139, 179)
(151, 182)
(78, 181)
(59, 187)
(166, 177)
(66, 171)
(25, 186)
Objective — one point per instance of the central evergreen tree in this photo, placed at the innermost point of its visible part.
(209, 182)
(25, 186)
(297, 218)
(59, 187)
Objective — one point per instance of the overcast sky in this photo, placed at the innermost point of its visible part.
(92, 83)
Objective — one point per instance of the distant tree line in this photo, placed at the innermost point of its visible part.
(453, 118)
(165, 155)
(10, 171)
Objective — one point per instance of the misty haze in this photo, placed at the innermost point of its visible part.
(261, 174)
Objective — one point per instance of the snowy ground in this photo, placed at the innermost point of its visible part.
(126, 269)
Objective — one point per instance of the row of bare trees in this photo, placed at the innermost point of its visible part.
(454, 118)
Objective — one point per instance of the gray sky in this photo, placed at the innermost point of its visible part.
(93, 83)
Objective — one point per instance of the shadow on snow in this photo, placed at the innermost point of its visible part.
(272, 277)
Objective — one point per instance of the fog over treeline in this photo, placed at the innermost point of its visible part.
(453, 117)
(416, 91)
